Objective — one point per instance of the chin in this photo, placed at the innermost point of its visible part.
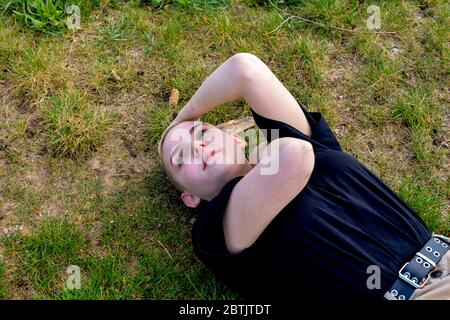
(221, 172)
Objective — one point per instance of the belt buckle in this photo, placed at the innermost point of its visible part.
(409, 281)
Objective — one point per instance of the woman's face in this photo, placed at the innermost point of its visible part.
(202, 158)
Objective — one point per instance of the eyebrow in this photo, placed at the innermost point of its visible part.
(177, 147)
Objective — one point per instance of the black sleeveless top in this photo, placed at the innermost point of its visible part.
(322, 243)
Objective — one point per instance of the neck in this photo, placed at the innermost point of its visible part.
(245, 168)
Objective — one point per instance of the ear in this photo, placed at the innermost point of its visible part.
(239, 139)
(190, 200)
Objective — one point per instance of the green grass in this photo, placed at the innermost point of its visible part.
(196, 5)
(45, 253)
(47, 16)
(81, 114)
(38, 71)
(75, 126)
(425, 199)
(3, 283)
(420, 113)
(160, 118)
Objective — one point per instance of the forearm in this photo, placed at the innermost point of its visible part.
(221, 86)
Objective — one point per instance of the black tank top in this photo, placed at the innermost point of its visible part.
(321, 245)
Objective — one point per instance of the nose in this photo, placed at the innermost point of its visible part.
(198, 147)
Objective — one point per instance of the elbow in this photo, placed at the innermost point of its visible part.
(244, 66)
(309, 160)
(234, 249)
(231, 245)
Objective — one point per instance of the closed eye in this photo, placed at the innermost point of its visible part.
(202, 132)
(180, 158)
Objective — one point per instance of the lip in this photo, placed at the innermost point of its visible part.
(212, 153)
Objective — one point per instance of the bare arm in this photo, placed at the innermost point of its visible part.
(248, 211)
(245, 76)
(223, 85)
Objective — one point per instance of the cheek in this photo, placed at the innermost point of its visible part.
(191, 172)
(218, 140)
(232, 147)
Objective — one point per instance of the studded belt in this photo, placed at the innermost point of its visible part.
(416, 273)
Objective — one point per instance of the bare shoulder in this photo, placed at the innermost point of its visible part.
(257, 198)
